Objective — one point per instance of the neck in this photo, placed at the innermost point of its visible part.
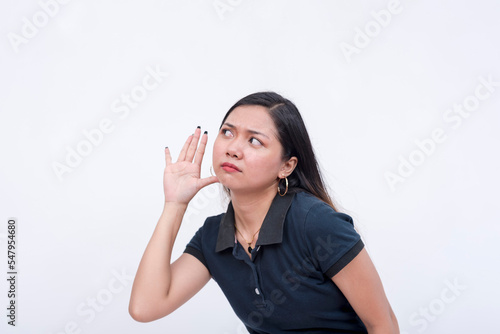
(251, 209)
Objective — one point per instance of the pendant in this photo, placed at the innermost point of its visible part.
(249, 249)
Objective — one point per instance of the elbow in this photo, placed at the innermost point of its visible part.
(389, 329)
(389, 326)
(138, 314)
(141, 312)
(395, 324)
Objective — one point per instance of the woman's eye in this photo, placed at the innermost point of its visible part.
(255, 141)
(227, 133)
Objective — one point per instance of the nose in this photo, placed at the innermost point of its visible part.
(234, 150)
(232, 155)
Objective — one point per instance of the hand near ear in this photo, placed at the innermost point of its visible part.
(181, 179)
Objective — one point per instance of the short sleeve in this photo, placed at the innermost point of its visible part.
(194, 247)
(331, 238)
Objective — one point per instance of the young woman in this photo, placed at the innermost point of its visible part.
(285, 258)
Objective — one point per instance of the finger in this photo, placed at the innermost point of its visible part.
(168, 157)
(201, 149)
(192, 146)
(208, 181)
(182, 155)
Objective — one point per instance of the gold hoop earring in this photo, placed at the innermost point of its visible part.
(286, 188)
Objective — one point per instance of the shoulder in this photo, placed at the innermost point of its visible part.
(213, 220)
(206, 234)
(212, 223)
(208, 230)
(309, 207)
(312, 217)
(329, 236)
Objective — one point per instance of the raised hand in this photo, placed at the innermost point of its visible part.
(181, 180)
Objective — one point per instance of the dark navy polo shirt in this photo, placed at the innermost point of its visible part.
(286, 286)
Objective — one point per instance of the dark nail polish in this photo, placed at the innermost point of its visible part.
(198, 127)
(206, 132)
(166, 147)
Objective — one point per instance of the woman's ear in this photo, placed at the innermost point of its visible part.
(287, 167)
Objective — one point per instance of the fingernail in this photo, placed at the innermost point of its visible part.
(205, 133)
(198, 127)
(166, 147)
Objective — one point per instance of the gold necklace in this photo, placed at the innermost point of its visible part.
(249, 243)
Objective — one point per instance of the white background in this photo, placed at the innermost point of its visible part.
(364, 111)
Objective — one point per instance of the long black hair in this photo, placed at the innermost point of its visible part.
(294, 139)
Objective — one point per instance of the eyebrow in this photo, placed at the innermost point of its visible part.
(249, 131)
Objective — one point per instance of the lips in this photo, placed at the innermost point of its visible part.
(230, 167)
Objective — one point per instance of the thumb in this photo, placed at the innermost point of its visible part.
(207, 181)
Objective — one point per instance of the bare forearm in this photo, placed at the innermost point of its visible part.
(153, 277)
(160, 288)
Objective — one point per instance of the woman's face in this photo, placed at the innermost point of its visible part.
(247, 154)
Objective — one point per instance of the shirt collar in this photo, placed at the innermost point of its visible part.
(271, 231)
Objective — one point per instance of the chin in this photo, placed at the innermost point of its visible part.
(223, 180)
